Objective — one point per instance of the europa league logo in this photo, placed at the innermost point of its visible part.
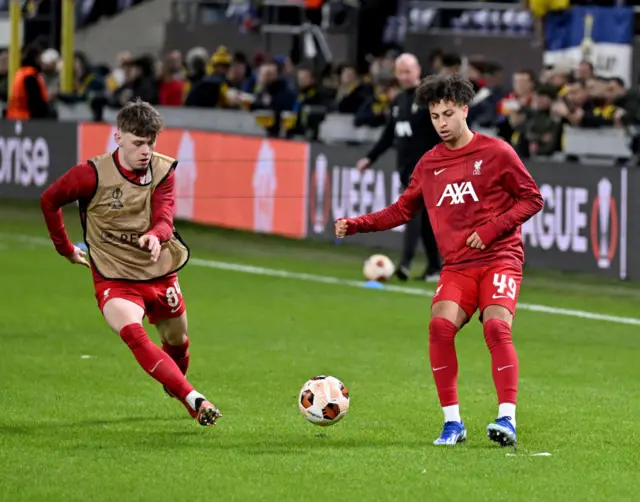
(604, 206)
(321, 178)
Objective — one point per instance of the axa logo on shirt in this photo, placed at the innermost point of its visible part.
(455, 193)
(355, 193)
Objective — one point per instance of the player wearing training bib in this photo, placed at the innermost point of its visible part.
(126, 201)
(477, 194)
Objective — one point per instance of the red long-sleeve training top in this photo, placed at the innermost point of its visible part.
(482, 187)
(79, 184)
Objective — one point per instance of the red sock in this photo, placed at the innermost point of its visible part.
(154, 361)
(179, 353)
(444, 363)
(504, 360)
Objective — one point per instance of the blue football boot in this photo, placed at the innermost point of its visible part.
(502, 431)
(452, 433)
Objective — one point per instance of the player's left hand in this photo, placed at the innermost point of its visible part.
(475, 242)
(152, 243)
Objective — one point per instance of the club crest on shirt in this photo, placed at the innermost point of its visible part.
(477, 166)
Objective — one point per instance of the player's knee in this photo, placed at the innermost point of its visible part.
(119, 313)
(134, 335)
(497, 332)
(497, 312)
(173, 331)
(176, 338)
(450, 311)
(441, 330)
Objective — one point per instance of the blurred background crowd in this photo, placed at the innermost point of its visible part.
(528, 109)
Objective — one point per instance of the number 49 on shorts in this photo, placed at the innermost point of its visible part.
(506, 286)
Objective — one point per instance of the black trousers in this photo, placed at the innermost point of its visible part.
(419, 228)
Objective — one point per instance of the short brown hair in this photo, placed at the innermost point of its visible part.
(139, 118)
(436, 88)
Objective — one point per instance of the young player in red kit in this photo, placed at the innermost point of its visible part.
(478, 194)
(126, 203)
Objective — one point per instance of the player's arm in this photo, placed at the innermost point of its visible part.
(398, 213)
(518, 182)
(163, 203)
(385, 141)
(162, 206)
(77, 183)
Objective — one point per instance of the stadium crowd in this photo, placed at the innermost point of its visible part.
(528, 110)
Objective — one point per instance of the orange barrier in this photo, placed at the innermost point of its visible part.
(241, 182)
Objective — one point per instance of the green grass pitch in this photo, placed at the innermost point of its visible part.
(81, 421)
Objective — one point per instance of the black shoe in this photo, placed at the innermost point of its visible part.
(402, 273)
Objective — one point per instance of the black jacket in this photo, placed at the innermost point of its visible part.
(410, 129)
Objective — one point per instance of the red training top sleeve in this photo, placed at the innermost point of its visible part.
(77, 183)
(518, 182)
(398, 213)
(162, 207)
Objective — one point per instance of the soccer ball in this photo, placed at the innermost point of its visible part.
(323, 400)
(378, 268)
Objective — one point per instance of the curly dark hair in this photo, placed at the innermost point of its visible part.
(436, 88)
(139, 118)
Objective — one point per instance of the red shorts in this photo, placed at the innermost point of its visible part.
(160, 299)
(477, 288)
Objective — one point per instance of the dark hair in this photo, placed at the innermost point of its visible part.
(547, 90)
(588, 63)
(530, 73)
(436, 88)
(139, 118)
(618, 81)
(451, 60)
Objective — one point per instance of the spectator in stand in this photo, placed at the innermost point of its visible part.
(585, 71)
(116, 78)
(88, 83)
(435, 61)
(374, 112)
(273, 97)
(512, 108)
(483, 108)
(140, 82)
(539, 133)
(578, 110)
(311, 105)
(171, 80)
(50, 62)
(451, 63)
(352, 92)
(28, 90)
(239, 72)
(211, 91)
(196, 68)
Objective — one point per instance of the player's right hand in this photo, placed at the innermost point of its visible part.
(78, 257)
(363, 164)
(341, 228)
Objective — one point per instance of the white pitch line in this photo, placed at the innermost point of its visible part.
(285, 274)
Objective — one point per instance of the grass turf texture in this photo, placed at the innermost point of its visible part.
(99, 428)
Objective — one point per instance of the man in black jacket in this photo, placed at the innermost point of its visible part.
(413, 134)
